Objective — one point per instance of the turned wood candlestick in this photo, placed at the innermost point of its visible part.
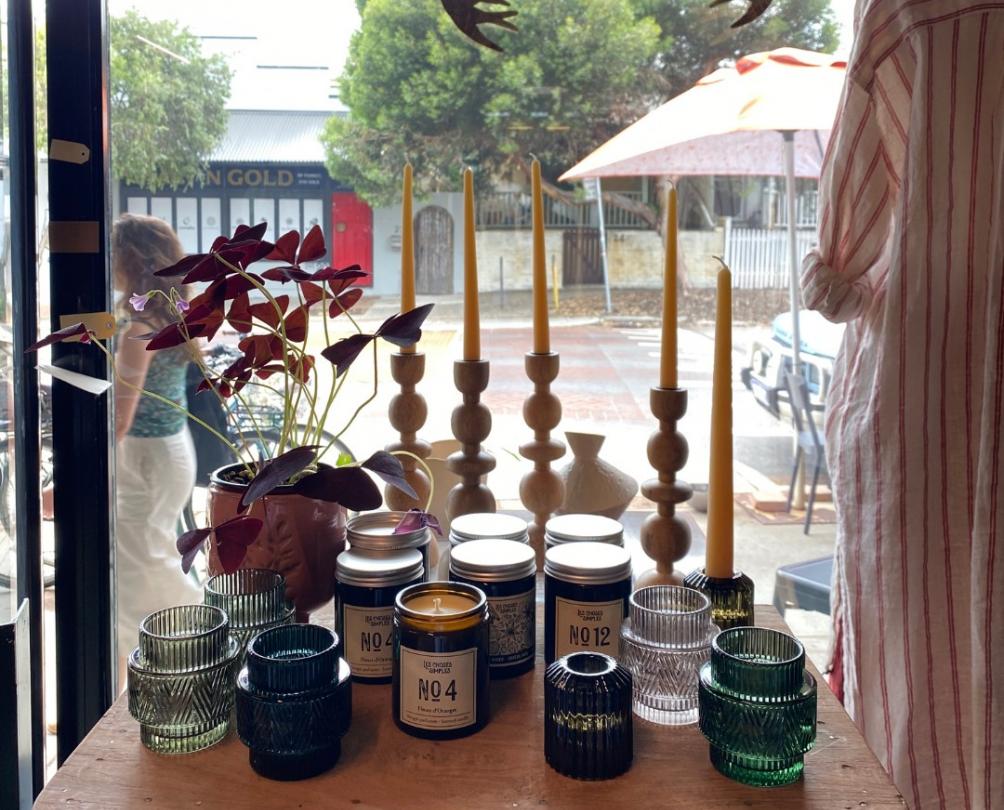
(541, 490)
(665, 537)
(407, 413)
(471, 422)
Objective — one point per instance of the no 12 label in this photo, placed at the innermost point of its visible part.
(586, 626)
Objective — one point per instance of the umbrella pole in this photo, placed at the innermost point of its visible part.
(603, 244)
(798, 500)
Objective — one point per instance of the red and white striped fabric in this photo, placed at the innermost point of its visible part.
(911, 256)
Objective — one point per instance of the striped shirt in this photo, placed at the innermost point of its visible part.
(911, 256)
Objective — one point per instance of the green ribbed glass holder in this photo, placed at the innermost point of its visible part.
(181, 679)
(253, 598)
(731, 597)
(757, 706)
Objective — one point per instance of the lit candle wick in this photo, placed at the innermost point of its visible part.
(437, 606)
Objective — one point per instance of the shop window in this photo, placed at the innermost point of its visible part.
(188, 223)
(211, 221)
(264, 211)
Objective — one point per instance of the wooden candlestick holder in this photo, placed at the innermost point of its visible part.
(665, 537)
(541, 490)
(407, 413)
(471, 422)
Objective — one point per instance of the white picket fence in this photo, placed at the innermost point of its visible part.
(759, 256)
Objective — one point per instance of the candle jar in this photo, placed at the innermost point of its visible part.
(579, 528)
(507, 573)
(757, 706)
(180, 678)
(440, 685)
(254, 599)
(586, 590)
(664, 642)
(294, 701)
(588, 730)
(372, 534)
(364, 608)
(486, 526)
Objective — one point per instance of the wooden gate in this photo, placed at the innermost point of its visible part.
(434, 251)
(580, 257)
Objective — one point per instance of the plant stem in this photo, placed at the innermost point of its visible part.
(428, 473)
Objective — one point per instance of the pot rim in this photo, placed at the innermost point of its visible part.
(230, 486)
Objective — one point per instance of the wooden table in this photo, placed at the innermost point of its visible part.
(502, 766)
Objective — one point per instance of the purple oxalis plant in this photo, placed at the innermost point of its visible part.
(274, 354)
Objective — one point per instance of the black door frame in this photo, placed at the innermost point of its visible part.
(77, 64)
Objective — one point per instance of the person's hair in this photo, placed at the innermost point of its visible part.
(141, 245)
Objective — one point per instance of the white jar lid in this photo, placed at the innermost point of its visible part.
(488, 525)
(366, 571)
(493, 560)
(592, 528)
(588, 563)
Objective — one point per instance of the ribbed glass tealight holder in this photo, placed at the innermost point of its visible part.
(181, 678)
(664, 642)
(253, 598)
(758, 706)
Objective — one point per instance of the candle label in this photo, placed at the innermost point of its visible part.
(512, 629)
(369, 640)
(592, 626)
(439, 690)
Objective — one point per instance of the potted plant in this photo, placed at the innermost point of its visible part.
(284, 510)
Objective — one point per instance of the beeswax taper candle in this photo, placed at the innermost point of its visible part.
(667, 359)
(541, 330)
(407, 249)
(719, 561)
(472, 320)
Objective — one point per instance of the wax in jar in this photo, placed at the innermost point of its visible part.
(440, 604)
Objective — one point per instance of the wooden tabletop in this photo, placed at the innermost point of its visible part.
(502, 766)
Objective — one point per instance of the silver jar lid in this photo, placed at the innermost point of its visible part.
(588, 563)
(488, 526)
(493, 560)
(592, 528)
(374, 532)
(379, 572)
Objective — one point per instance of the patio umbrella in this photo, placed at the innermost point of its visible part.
(729, 123)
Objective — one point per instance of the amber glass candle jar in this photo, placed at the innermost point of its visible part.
(364, 608)
(507, 573)
(586, 591)
(440, 680)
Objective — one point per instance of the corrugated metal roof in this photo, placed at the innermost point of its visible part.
(272, 136)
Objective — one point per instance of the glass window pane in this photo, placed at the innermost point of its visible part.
(289, 215)
(161, 207)
(240, 213)
(211, 225)
(137, 205)
(188, 223)
(312, 214)
(264, 211)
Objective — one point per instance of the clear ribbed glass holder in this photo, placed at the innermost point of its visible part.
(181, 679)
(253, 598)
(664, 642)
(758, 706)
(294, 701)
(588, 733)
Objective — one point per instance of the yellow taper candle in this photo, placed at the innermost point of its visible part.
(407, 250)
(541, 332)
(472, 321)
(719, 557)
(667, 360)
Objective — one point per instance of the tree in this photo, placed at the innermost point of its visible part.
(696, 39)
(417, 90)
(167, 102)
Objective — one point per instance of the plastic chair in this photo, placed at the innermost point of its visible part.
(810, 444)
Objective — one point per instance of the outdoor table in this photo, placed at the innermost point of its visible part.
(502, 766)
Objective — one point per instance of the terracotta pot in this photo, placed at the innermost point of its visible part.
(592, 485)
(301, 539)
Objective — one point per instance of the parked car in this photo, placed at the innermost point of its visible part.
(770, 360)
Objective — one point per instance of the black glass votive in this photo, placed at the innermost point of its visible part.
(588, 732)
(294, 701)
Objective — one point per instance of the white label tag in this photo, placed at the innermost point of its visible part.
(592, 626)
(439, 691)
(369, 640)
(512, 629)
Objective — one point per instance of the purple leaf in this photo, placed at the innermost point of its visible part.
(343, 353)
(390, 470)
(189, 544)
(78, 329)
(313, 245)
(285, 248)
(184, 266)
(349, 486)
(277, 471)
(405, 329)
(416, 519)
(172, 335)
(233, 538)
(245, 233)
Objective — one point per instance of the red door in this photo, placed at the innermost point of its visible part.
(352, 233)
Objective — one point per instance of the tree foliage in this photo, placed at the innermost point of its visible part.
(167, 109)
(576, 73)
(418, 90)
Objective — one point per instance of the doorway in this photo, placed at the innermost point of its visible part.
(581, 260)
(434, 251)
